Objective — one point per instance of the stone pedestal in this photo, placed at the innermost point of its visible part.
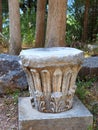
(51, 74)
(77, 118)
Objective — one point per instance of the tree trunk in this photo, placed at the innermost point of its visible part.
(94, 19)
(85, 28)
(40, 23)
(65, 17)
(56, 23)
(1, 16)
(15, 33)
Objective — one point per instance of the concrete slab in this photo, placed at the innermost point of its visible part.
(77, 118)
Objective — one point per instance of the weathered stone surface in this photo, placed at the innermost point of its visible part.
(51, 76)
(89, 67)
(12, 76)
(55, 56)
(77, 118)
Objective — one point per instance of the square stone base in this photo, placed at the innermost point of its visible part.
(77, 118)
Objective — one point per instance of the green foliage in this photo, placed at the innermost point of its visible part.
(5, 29)
(5, 19)
(16, 95)
(28, 21)
(28, 27)
(86, 92)
(95, 109)
(5, 7)
(97, 37)
(83, 86)
(73, 30)
(81, 89)
(75, 21)
(90, 128)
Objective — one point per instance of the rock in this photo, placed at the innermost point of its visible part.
(12, 76)
(92, 47)
(89, 67)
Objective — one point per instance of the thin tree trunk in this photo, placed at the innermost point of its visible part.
(15, 33)
(94, 18)
(56, 23)
(1, 16)
(85, 28)
(40, 23)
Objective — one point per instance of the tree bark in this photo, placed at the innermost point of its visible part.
(15, 33)
(85, 28)
(65, 18)
(1, 16)
(40, 23)
(56, 23)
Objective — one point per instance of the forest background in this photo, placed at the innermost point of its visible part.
(81, 22)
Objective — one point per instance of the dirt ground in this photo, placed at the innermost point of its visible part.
(8, 113)
(9, 110)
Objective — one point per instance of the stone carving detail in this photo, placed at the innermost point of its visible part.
(52, 90)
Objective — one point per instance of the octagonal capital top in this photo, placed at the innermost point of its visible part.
(55, 56)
